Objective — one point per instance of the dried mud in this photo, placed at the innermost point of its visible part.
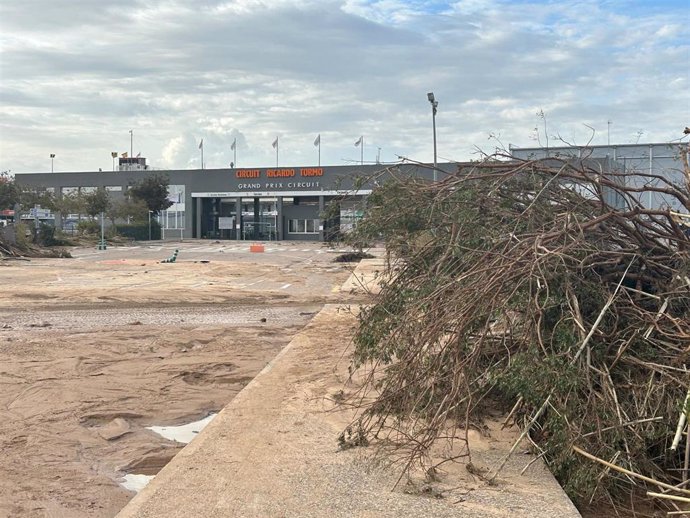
(93, 351)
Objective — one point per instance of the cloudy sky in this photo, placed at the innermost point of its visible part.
(77, 75)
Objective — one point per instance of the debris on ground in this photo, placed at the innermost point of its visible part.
(545, 289)
(352, 257)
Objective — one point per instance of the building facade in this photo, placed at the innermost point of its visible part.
(282, 203)
(662, 159)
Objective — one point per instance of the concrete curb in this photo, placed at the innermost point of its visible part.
(272, 452)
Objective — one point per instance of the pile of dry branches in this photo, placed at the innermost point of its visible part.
(519, 285)
(22, 248)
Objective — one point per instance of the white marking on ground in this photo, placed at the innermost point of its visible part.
(79, 256)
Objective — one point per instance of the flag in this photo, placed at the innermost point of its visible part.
(201, 144)
(139, 154)
(359, 141)
(275, 143)
(124, 155)
(317, 142)
(233, 145)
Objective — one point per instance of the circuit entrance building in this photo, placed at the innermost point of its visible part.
(285, 203)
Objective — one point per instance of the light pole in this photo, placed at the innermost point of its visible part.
(150, 224)
(52, 159)
(114, 155)
(434, 106)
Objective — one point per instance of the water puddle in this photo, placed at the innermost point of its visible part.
(136, 482)
(183, 433)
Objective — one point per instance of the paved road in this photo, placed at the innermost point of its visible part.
(198, 249)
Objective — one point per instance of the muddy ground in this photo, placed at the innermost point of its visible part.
(96, 348)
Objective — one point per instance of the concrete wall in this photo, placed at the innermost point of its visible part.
(291, 211)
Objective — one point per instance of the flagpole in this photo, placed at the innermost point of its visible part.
(234, 152)
(131, 143)
(360, 143)
(277, 146)
(317, 143)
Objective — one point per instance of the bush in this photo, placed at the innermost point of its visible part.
(139, 231)
(21, 230)
(47, 236)
(511, 288)
(88, 227)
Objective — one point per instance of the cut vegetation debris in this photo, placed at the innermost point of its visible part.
(544, 289)
(352, 257)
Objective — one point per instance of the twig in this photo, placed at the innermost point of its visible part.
(628, 472)
(629, 423)
(681, 422)
(668, 497)
(686, 461)
(602, 313)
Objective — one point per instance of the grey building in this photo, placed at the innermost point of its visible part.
(283, 203)
(663, 159)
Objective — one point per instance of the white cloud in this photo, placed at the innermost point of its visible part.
(78, 77)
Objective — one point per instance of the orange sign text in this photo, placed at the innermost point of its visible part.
(247, 173)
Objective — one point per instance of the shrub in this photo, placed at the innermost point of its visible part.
(139, 231)
(88, 227)
(21, 231)
(516, 285)
(48, 236)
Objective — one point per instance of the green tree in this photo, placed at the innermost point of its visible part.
(68, 203)
(152, 190)
(32, 196)
(96, 202)
(9, 191)
(125, 209)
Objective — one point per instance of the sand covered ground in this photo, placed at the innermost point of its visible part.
(96, 348)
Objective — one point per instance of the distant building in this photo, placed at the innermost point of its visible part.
(135, 163)
(283, 203)
(662, 159)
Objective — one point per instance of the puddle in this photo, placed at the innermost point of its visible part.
(136, 482)
(183, 433)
